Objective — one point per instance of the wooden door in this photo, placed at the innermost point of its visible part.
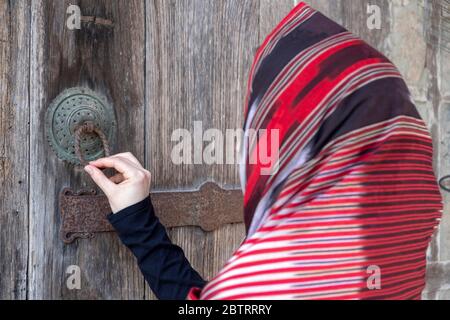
(163, 65)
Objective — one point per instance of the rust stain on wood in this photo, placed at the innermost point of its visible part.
(97, 21)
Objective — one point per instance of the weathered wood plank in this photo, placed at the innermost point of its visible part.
(353, 15)
(197, 63)
(112, 63)
(14, 129)
(270, 15)
(198, 57)
(332, 9)
(355, 18)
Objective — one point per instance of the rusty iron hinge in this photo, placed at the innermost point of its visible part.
(84, 213)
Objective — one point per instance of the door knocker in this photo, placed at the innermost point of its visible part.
(79, 122)
(89, 128)
(80, 127)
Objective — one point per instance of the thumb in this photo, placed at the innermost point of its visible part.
(100, 179)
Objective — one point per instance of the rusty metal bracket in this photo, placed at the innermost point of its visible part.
(84, 213)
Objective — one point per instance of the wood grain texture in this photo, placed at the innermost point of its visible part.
(197, 62)
(270, 15)
(110, 62)
(198, 57)
(14, 114)
(332, 9)
(353, 16)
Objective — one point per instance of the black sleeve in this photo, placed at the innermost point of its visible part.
(162, 263)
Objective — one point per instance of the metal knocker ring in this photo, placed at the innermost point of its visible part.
(89, 127)
(443, 185)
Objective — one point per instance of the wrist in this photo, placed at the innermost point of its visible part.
(135, 204)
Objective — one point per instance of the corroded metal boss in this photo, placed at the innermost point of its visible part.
(69, 111)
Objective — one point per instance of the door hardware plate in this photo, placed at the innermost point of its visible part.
(83, 214)
(72, 108)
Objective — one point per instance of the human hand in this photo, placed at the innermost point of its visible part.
(129, 186)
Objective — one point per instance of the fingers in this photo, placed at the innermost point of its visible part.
(122, 165)
(100, 179)
(129, 156)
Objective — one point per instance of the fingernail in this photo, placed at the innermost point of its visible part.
(88, 169)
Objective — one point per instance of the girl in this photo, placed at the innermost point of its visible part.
(352, 202)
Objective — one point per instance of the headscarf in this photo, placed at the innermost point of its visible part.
(347, 205)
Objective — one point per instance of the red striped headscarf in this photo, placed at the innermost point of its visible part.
(351, 202)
